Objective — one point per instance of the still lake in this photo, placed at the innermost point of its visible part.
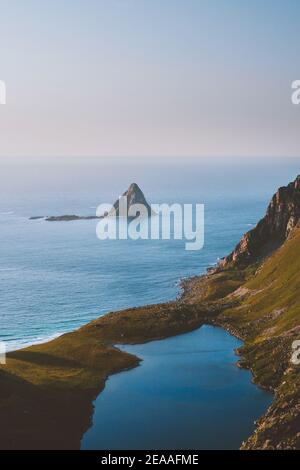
(187, 393)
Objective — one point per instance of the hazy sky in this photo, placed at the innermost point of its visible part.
(164, 78)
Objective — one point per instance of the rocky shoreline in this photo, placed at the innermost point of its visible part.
(46, 391)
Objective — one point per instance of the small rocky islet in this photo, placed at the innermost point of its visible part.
(133, 194)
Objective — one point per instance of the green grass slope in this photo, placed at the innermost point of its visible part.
(265, 312)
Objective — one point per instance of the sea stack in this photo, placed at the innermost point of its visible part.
(134, 195)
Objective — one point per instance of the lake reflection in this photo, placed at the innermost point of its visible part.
(186, 394)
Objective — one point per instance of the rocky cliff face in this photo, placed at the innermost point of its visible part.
(282, 216)
(134, 195)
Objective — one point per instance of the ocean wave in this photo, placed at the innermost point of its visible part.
(17, 344)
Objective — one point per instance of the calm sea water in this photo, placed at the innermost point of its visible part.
(55, 277)
(186, 394)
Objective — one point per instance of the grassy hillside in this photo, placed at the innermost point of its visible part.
(261, 305)
(265, 312)
(46, 391)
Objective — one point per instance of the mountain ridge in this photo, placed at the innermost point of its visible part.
(272, 230)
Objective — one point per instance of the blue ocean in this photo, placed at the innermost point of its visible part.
(57, 276)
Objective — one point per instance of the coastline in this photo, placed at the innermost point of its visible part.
(34, 342)
(53, 336)
(47, 390)
(65, 375)
(181, 285)
(177, 311)
(52, 386)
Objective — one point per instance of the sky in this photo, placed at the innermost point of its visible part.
(171, 80)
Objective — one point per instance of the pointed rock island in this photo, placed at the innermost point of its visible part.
(134, 195)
